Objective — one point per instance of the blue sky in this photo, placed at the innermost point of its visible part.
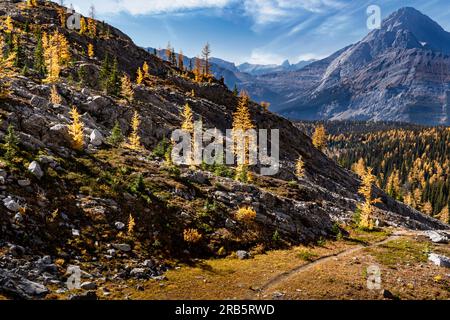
(256, 31)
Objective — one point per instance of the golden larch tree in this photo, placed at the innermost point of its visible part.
(55, 98)
(444, 215)
(146, 71)
(367, 208)
(92, 28)
(241, 123)
(9, 24)
(91, 52)
(359, 167)
(300, 167)
(140, 76)
(187, 116)
(83, 26)
(127, 88)
(6, 70)
(319, 137)
(76, 129)
(134, 140)
(131, 225)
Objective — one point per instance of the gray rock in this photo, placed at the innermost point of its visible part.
(18, 217)
(35, 169)
(122, 247)
(39, 102)
(437, 237)
(242, 255)
(17, 251)
(11, 204)
(197, 177)
(3, 173)
(148, 264)
(96, 138)
(24, 183)
(32, 288)
(88, 285)
(138, 273)
(439, 260)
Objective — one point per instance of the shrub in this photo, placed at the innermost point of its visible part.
(245, 214)
(191, 235)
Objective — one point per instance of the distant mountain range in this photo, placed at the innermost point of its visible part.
(400, 72)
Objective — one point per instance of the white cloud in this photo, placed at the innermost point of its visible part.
(268, 11)
(259, 56)
(141, 7)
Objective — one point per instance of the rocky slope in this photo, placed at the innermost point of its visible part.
(60, 207)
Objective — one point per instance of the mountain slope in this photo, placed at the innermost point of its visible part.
(77, 209)
(400, 72)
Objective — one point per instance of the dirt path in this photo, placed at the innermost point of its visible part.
(293, 272)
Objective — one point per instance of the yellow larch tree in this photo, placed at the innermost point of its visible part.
(127, 88)
(444, 215)
(359, 167)
(91, 52)
(187, 119)
(131, 224)
(187, 125)
(83, 26)
(9, 24)
(56, 55)
(76, 129)
(241, 123)
(32, 3)
(6, 70)
(300, 167)
(146, 71)
(319, 137)
(367, 208)
(140, 76)
(134, 140)
(55, 98)
(92, 28)
(427, 208)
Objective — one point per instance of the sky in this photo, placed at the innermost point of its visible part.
(254, 31)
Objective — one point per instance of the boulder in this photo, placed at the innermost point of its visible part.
(437, 237)
(11, 204)
(439, 260)
(39, 102)
(96, 138)
(24, 182)
(138, 273)
(242, 255)
(196, 177)
(35, 169)
(88, 285)
(122, 247)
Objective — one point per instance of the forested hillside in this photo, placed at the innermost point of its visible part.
(412, 163)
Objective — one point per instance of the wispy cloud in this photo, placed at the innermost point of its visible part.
(148, 7)
(265, 12)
